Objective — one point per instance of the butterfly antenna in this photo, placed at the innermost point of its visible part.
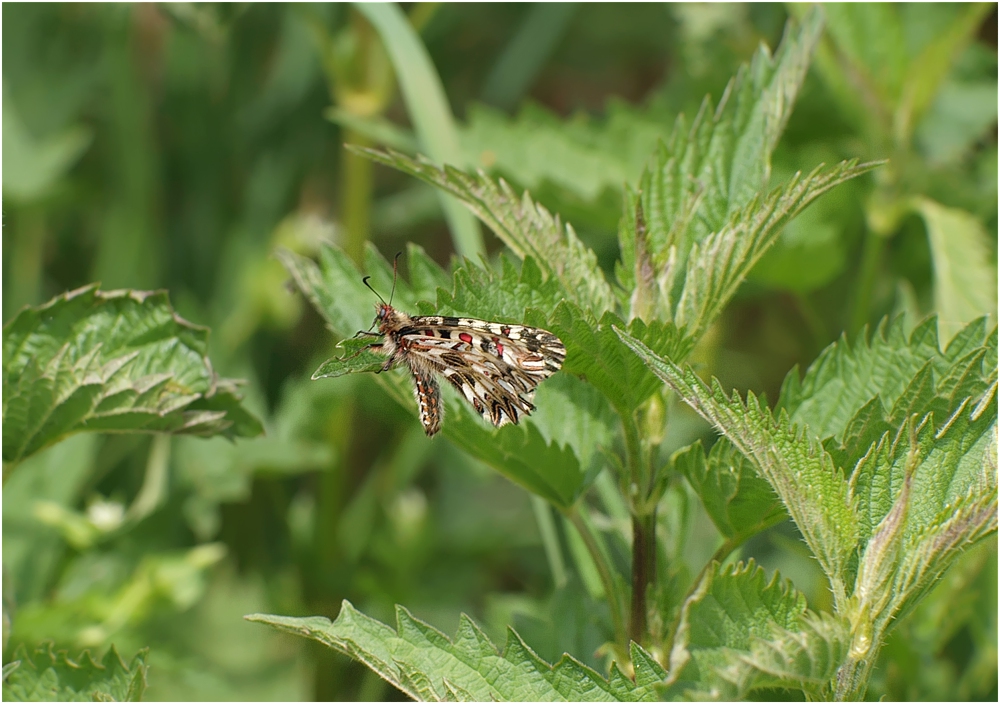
(395, 262)
(365, 282)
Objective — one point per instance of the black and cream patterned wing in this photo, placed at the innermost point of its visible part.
(495, 366)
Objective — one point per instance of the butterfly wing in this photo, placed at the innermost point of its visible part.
(495, 366)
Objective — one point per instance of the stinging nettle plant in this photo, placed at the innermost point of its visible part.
(117, 361)
(883, 454)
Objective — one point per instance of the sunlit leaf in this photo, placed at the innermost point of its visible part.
(965, 275)
(428, 666)
(739, 631)
(111, 361)
(46, 676)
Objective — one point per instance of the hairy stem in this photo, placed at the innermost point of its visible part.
(852, 679)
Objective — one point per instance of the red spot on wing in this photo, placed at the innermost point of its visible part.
(500, 349)
(465, 337)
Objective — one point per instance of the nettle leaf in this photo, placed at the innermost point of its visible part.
(718, 264)
(545, 466)
(583, 155)
(357, 357)
(46, 676)
(111, 361)
(706, 172)
(336, 290)
(807, 657)
(428, 666)
(698, 223)
(738, 631)
(573, 412)
(739, 502)
(595, 353)
(923, 495)
(524, 226)
(426, 277)
(796, 466)
(484, 293)
(853, 395)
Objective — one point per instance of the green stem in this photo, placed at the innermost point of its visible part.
(581, 521)
(852, 679)
(643, 574)
(26, 256)
(643, 529)
(636, 484)
(870, 257)
(356, 197)
(550, 540)
(154, 484)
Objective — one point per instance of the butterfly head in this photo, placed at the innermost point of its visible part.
(388, 318)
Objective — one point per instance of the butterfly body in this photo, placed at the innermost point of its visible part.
(495, 366)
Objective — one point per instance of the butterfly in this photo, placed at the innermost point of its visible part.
(495, 366)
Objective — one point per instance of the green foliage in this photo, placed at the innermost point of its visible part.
(796, 466)
(738, 500)
(851, 395)
(739, 632)
(428, 107)
(520, 223)
(44, 676)
(923, 489)
(33, 166)
(425, 664)
(594, 353)
(114, 361)
(700, 223)
(963, 278)
(714, 168)
(899, 57)
(719, 264)
(536, 149)
(187, 147)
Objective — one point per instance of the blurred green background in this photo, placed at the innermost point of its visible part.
(176, 145)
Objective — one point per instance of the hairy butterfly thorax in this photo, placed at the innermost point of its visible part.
(495, 366)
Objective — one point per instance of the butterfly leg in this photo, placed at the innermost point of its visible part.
(364, 349)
